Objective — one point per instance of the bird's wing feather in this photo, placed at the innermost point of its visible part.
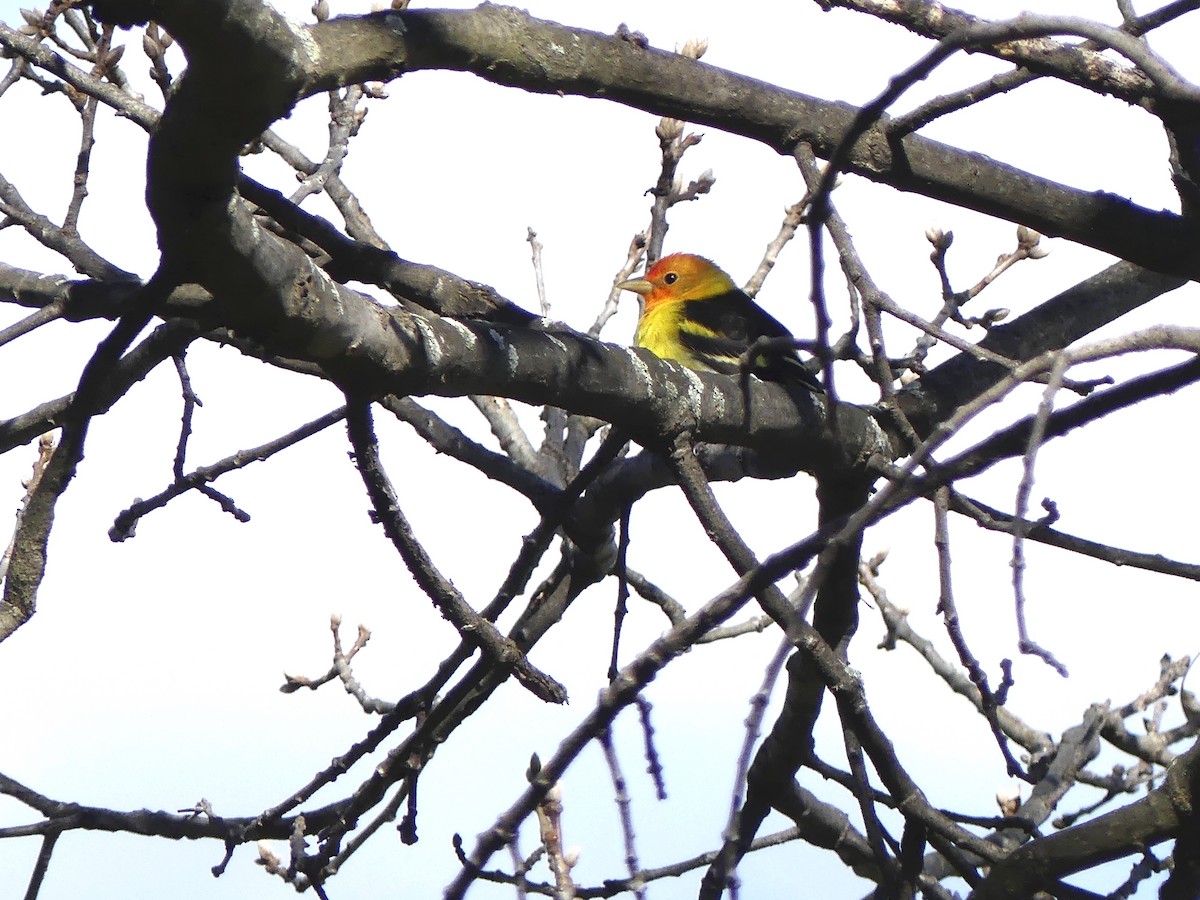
(736, 316)
(719, 330)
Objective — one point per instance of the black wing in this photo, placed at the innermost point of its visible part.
(724, 327)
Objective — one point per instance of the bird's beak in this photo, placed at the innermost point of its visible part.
(637, 285)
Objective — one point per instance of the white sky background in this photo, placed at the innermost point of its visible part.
(149, 676)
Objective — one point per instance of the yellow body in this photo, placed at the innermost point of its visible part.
(665, 293)
(659, 330)
(693, 313)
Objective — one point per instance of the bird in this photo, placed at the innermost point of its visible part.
(693, 313)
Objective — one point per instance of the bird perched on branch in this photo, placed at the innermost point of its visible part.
(693, 313)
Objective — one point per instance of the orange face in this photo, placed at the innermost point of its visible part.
(680, 276)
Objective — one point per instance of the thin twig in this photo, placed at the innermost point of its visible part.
(622, 605)
(653, 762)
(1037, 434)
(42, 866)
(445, 438)
(793, 218)
(344, 121)
(758, 709)
(190, 402)
(45, 451)
(989, 702)
(539, 277)
(126, 521)
(995, 520)
(471, 626)
(625, 813)
(341, 670)
(507, 429)
(669, 190)
(633, 257)
(877, 835)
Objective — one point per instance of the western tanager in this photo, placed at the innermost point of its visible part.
(693, 313)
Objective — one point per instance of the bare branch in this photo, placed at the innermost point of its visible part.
(449, 601)
(1036, 434)
(124, 525)
(1081, 65)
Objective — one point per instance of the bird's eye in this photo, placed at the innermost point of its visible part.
(670, 278)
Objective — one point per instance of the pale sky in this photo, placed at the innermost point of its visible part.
(149, 676)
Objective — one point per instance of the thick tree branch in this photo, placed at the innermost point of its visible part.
(1160, 815)
(512, 48)
(1084, 66)
(1053, 325)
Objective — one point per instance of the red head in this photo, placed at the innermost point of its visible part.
(680, 276)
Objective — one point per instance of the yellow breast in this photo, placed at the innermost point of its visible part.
(659, 329)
